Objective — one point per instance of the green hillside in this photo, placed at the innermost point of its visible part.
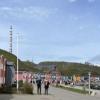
(27, 66)
(67, 68)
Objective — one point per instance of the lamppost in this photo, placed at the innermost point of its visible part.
(33, 82)
(89, 82)
(17, 61)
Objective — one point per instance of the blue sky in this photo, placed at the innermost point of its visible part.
(52, 30)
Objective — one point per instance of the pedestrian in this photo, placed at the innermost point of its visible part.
(46, 86)
(38, 82)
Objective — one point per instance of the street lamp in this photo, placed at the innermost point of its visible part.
(33, 82)
(89, 82)
(17, 61)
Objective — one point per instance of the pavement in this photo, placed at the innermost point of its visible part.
(95, 92)
(54, 94)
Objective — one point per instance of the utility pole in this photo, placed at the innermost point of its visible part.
(10, 39)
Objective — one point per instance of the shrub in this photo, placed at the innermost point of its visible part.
(27, 88)
(20, 83)
(1, 89)
(6, 90)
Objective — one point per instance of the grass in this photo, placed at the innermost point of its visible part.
(73, 89)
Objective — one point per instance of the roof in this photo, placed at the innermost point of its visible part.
(10, 63)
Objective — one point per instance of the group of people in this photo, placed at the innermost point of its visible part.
(39, 83)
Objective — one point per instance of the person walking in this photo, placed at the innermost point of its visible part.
(38, 82)
(46, 86)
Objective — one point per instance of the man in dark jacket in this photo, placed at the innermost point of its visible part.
(38, 82)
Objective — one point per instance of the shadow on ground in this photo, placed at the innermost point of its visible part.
(6, 97)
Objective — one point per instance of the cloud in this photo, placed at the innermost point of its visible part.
(91, 1)
(98, 26)
(81, 27)
(27, 12)
(46, 57)
(74, 17)
(72, 1)
(95, 60)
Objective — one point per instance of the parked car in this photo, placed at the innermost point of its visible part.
(95, 86)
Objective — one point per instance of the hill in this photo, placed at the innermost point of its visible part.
(67, 68)
(23, 65)
(95, 60)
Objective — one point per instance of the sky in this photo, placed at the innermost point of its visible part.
(52, 30)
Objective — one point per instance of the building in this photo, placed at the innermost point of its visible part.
(7, 72)
(53, 74)
(2, 70)
(76, 78)
(24, 76)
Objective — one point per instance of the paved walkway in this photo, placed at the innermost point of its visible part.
(97, 92)
(54, 94)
